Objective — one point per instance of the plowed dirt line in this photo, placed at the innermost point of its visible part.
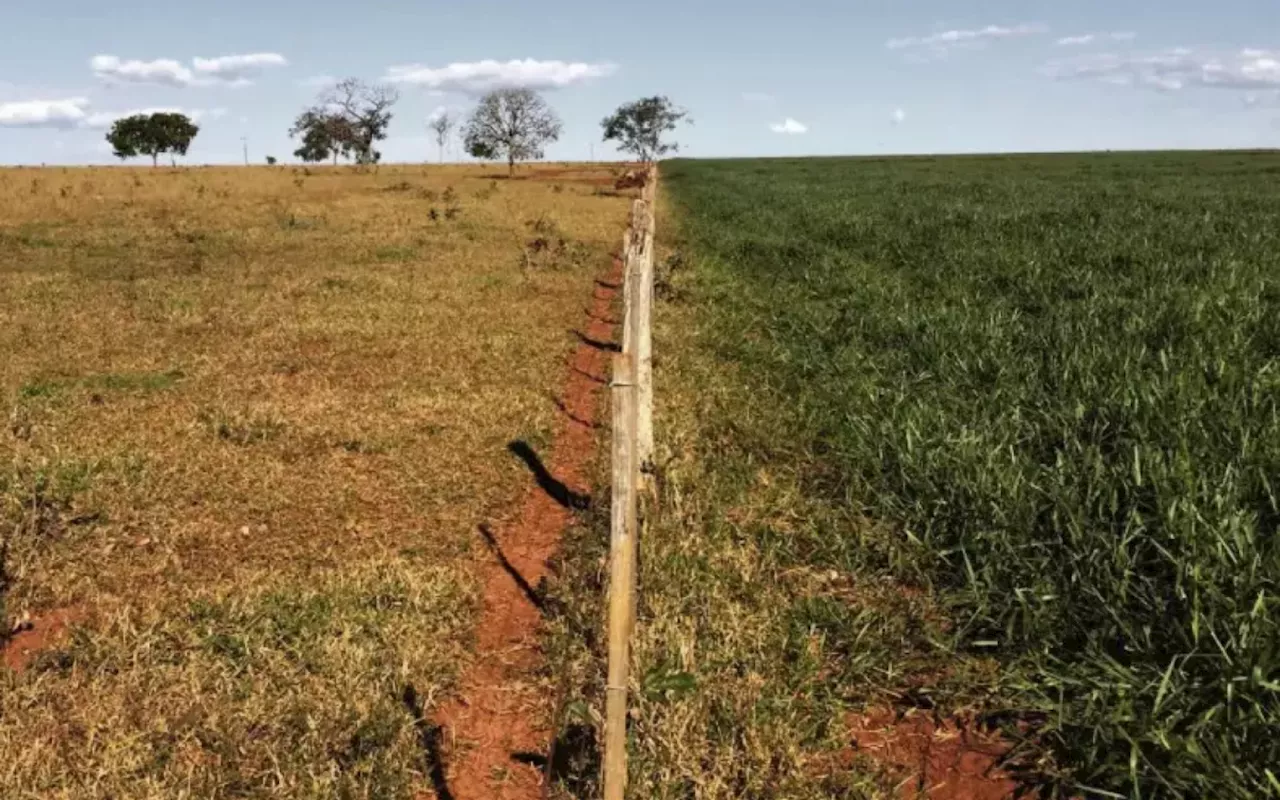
(498, 727)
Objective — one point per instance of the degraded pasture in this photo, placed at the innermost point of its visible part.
(252, 420)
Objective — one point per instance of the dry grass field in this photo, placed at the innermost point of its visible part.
(252, 419)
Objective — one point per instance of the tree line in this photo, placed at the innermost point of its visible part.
(351, 117)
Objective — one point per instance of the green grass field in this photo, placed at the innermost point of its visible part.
(979, 435)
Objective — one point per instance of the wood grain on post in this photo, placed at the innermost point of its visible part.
(631, 278)
(622, 570)
(644, 354)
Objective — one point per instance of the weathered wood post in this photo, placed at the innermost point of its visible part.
(622, 569)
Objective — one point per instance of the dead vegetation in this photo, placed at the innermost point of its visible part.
(252, 420)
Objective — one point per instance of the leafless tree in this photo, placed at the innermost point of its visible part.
(514, 124)
(367, 109)
(442, 123)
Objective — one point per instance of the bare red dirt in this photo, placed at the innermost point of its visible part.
(935, 760)
(37, 636)
(500, 712)
(585, 177)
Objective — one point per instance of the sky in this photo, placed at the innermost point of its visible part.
(805, 77)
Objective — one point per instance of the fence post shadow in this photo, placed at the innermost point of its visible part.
(554, 487)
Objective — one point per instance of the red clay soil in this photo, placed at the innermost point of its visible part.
(500, 711)
(587, 177)
(38, 635)
(932, 760)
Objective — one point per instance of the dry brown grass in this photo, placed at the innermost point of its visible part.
(253, 418)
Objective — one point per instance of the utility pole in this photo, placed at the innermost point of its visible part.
(245, 140)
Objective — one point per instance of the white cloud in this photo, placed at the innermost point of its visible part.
(237, 69)
(477, 77)
(437, 113)
(789, 126)
(898, 116)
(943, 41)
(233, 70)
(1177, 68)
(162, 71)
(44, 113)
(75, 113)
(1090, 38)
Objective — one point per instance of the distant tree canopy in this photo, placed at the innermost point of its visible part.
(324, 135)
(346, 121)
(638, 127)
(442, 124)
(151, 135)
(513, 124)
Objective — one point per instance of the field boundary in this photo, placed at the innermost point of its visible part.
(631, 393)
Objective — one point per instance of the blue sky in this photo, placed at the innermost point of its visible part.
(802, 77)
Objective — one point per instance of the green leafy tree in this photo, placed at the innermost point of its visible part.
(325, 134)
(639, 127)
(513, 124)
(152, 135)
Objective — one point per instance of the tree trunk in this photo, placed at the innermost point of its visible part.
(155, 159)
(511, 165)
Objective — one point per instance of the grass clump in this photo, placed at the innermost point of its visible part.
(276, 689)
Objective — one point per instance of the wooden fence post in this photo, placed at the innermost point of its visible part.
(644, 349)
(622, 568)
(632, 456)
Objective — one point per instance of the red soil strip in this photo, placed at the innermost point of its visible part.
(500, 711)
(37, 636)
(588, 177)
(935, 760)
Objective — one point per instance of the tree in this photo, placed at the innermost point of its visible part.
(151, 135)
(638, 127)
(346, 120)
(442, 123)
(511, 123)
(366, 109)
(324, 135)
(271, 161)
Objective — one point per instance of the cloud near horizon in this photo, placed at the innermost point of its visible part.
(232, 70)
(478, 77)
(68, 113)
(789, 126)
(1175, 69)
(944, 41)
(1090, 38)
(74, 113)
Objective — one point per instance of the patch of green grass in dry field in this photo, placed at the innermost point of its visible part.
(978, 435)
(252, 418)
